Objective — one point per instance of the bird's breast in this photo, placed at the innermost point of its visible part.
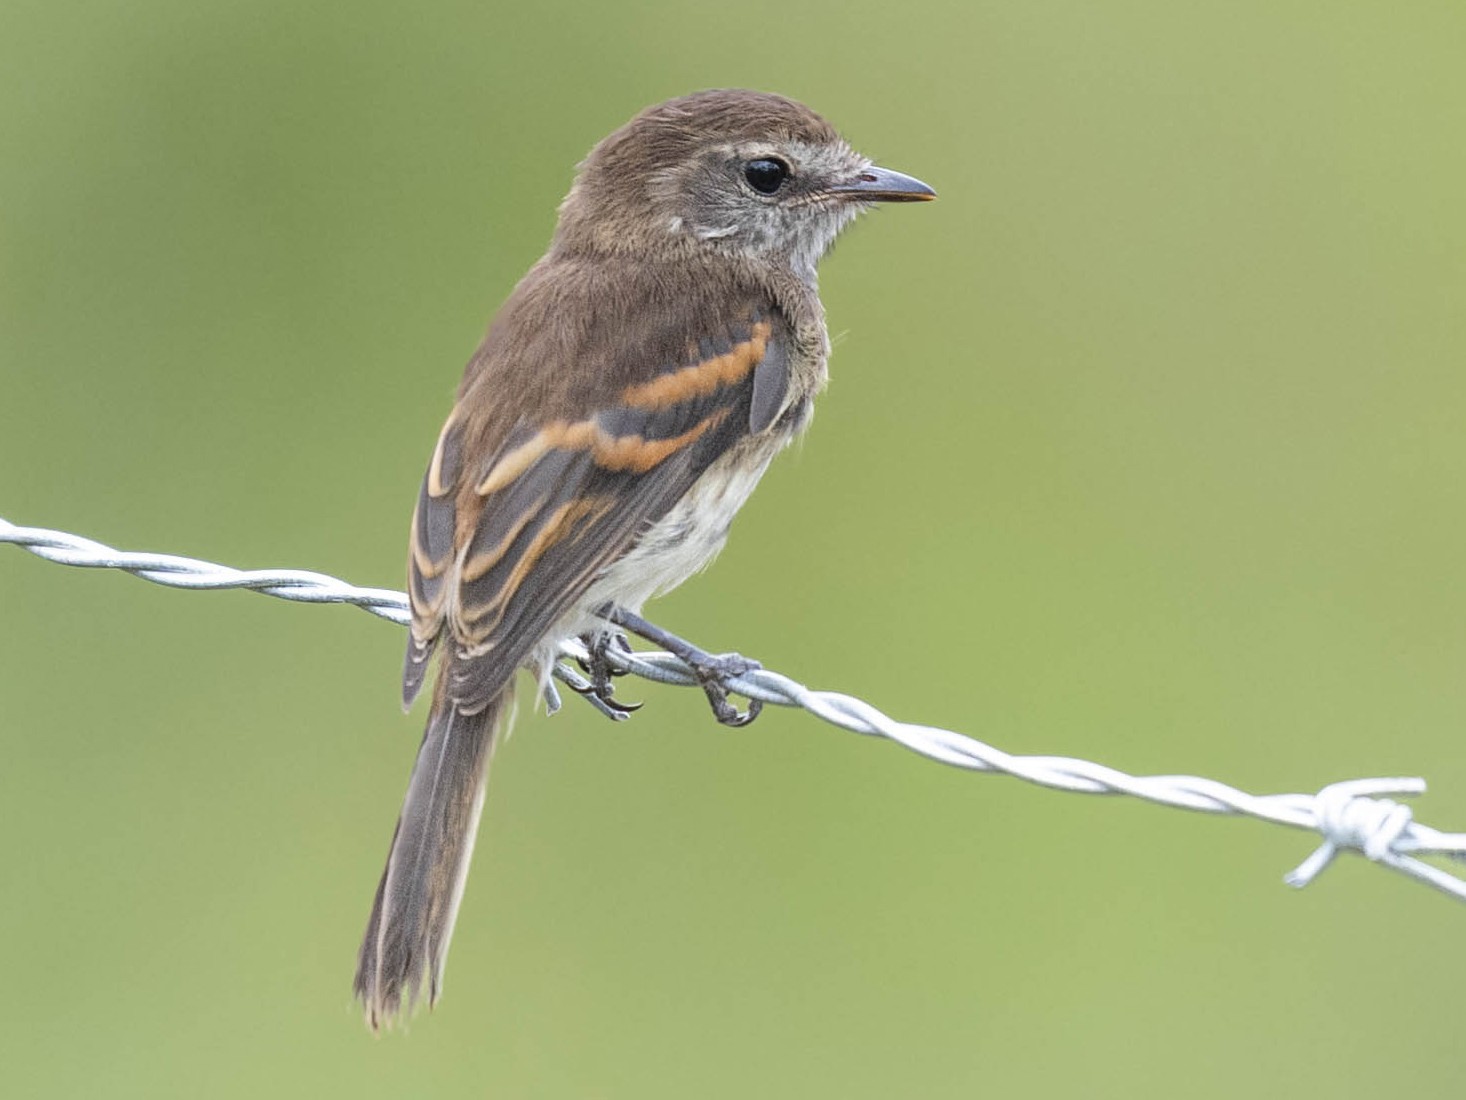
(688, 537)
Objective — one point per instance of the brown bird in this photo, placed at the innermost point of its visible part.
(624, 403)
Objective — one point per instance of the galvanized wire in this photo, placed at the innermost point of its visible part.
(1351, 815)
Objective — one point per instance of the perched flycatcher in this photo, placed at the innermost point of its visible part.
(624, 403)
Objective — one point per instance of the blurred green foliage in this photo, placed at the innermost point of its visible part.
(1145, 444)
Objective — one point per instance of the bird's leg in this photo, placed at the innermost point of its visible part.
(713, 671)
(586, 690)
(598, 643)
(600, 670)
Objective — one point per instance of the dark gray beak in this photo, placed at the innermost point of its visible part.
(883, 185)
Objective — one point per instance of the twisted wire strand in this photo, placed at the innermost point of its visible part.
(1350, 816)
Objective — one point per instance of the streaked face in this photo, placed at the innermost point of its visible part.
(766, 198)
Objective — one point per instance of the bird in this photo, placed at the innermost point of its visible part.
(626, 399)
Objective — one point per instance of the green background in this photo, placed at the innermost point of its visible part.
(1144, 444)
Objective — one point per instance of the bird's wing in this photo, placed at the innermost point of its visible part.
(501, 551)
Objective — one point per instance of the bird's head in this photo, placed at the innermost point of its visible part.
(730, 171)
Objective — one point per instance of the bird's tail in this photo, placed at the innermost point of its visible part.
(406, 942)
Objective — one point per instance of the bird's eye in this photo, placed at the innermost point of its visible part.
(766, 175)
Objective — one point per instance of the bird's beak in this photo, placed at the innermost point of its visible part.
(883, 185)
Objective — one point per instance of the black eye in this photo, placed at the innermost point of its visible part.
(766, 176)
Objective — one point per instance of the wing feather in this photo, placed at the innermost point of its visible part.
(502, 553)
(434, 522)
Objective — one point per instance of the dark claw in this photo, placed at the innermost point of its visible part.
(600, 671)
(614, 711)
(714, 672)
(588, 689)
(726, 713)
(617, 712)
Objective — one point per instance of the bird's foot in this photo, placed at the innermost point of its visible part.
(599, 688)
(713, 671)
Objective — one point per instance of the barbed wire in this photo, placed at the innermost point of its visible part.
(1351, 815)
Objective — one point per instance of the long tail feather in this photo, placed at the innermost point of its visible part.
(406, 942)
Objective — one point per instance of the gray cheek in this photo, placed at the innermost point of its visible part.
(768, 229)
(714, 209)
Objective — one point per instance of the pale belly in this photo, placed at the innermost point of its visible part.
(681, 543)
(686, 539)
